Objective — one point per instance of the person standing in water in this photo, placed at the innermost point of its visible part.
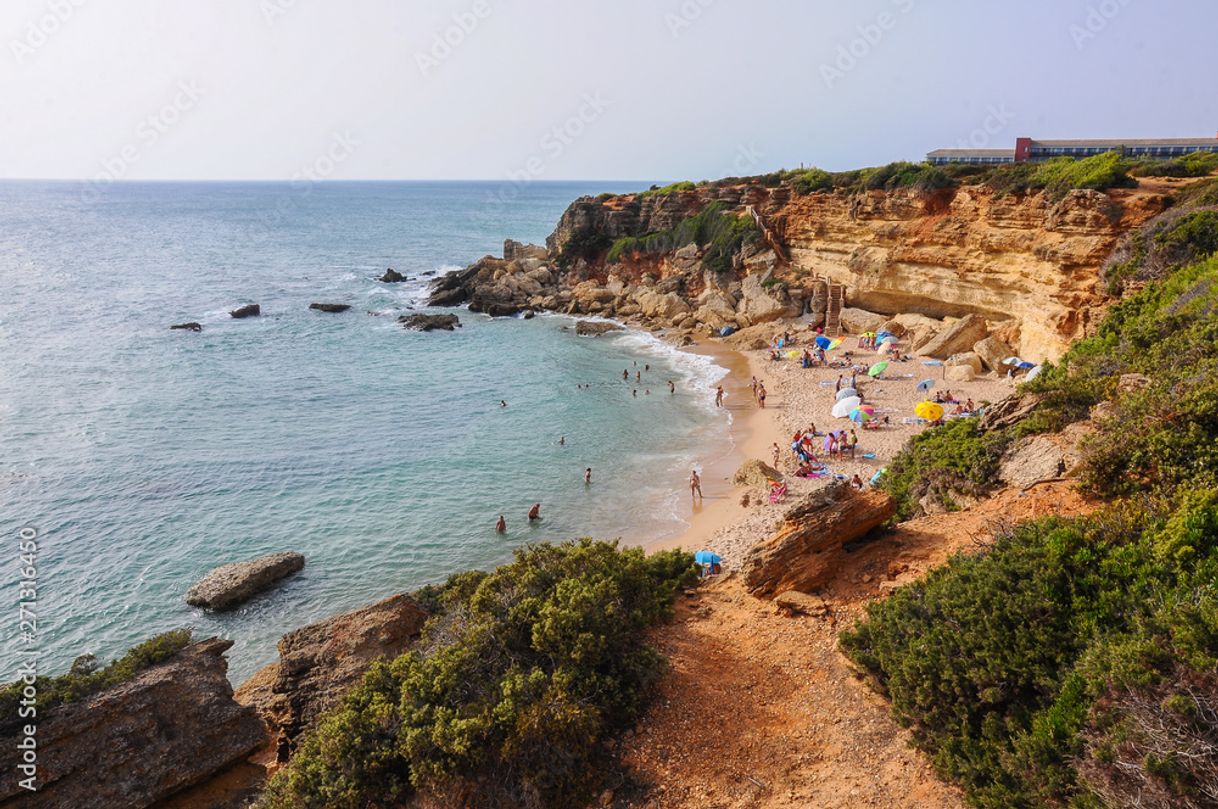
(501, 526)
(761, 394)
(625, 374)
(672, 388)
(535, 512)
(695, 485)
(503, 402)
(562, 441)
(719, 396)
(588, 475)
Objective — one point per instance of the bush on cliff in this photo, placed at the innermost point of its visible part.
(1032, 673)
(511, 693)
(1168, 242)
(672, 188)
(720, 233)
(85, 678)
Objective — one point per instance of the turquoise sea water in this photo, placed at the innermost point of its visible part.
(144, 457)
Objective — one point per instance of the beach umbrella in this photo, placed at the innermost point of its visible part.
(862, 413)
(836, 343)
(882, 336)
(931, 411)
(707, 558)
(1035, 372)
(842, 409)
(845, 392)
(822, 341)
(925, 385)
(1024, 364)
(1011, 361)
(792, 354)
(877, 369)
(876, 477)
(888, 339)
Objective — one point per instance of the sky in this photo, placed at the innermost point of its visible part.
(572, 89)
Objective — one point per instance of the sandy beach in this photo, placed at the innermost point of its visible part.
(797, 399)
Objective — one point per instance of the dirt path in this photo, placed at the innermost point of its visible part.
(761, 710)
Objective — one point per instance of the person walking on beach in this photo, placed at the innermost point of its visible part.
(501, 526)
(777, 455)
(719, 396)
(761, 394)
(588, 475)
(695, 485)
(753, 385)
(535, 512)
(839, 384)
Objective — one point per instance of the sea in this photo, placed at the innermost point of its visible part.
(139, 457)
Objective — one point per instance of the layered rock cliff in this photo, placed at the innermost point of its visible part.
(1029, 261)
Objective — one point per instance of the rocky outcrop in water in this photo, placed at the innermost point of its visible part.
(808, 546)
(392, 276)
(190, 326)
(138, 742)
(430, 322)
(592, 328)
(330, 307)
(319, 662)
(237, 582)
(249, 310)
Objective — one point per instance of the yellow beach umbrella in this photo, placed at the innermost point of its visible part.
(931, 411)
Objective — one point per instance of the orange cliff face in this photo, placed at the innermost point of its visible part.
(1024, 258)
(1027, 260)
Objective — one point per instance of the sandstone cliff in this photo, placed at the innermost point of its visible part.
(167, 728)
(1027, 261)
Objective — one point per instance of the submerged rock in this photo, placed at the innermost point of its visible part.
(249, 310)
(320, 662)
(231, 584)
(591, 328)
(189, 326)
(392, 276)
(137, 742)
(430, 322)
(330, 307)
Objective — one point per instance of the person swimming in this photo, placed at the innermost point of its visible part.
(501, 526)
(535, 512)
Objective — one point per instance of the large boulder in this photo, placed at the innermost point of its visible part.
(959, 373)
(759, 304)
(392, 276)
(755, 473)
(430, 322)
(249, 310)
(661, 305)
(919, 329)
(960, 336)
(969, 358)
(320, 662)
(591, 328)
(992, 352)
(807, 547)
(1009, 411)
(857, 321)
(1044, 457)
(333, 308)
(237, 582)
(139, 741)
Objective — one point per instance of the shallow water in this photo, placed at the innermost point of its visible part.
(144, 456)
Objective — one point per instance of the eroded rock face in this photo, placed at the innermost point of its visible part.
(959, 337)
(762, 305)
(992, 352)
(249, 310)
(805, 550)
(140, 741)
(237, 582)
(320, 662)
(430, 322)
(858, 321)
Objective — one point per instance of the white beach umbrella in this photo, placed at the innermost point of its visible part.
(842, 409)
(845, 392)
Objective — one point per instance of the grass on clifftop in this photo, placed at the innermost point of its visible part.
(509, 696)
(85, 678)
(1075, 663)
(720, 233)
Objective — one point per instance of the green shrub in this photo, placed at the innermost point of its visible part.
(997, 661)
(1197, 164)
(85, 678)
(812, 180)
(672, 188)
(1098, 172)
(1161, 246)
(719, 232)
(510, 694)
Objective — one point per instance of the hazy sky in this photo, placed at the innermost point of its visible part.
(559, 89)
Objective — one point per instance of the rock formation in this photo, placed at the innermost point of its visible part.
(189, 326)
(755, 473)
(807, 547)
(330, 307)
(249, 310)
(430, 322)
(319, 662)
(138, 742)
(392, 276)
(231, 584)
(591, 328)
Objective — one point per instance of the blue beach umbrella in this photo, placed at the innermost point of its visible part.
(822, 341)
(1025, 364)
(707, 558)
(925, 385)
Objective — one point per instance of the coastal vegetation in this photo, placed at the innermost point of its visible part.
(86, 678)
(714, 229)
(1075, 661)
(671, 188)
(521, 676)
